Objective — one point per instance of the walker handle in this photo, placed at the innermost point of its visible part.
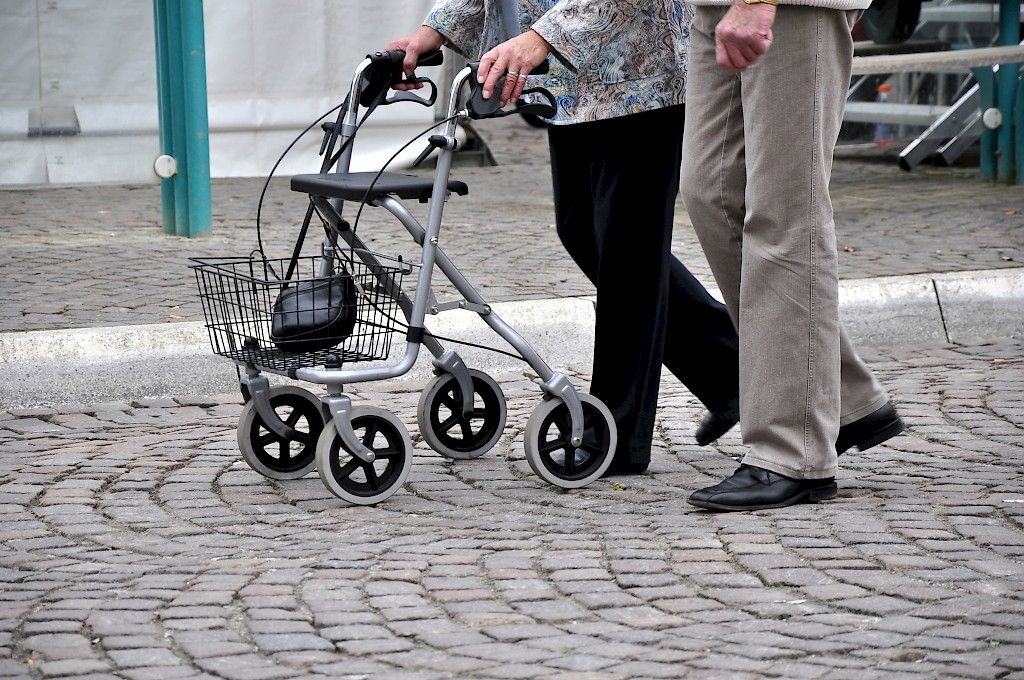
(397, 58)
(385, 70)
(408, 96)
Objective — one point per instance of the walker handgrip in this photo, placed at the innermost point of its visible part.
(385, 71)
(397, 57)
(432, 58)
(480, 108)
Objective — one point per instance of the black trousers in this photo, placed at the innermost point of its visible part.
(615, 185)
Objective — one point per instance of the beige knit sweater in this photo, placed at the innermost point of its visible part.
(831, 4)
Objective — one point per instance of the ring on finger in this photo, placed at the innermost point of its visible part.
(513, 74)
(521, 76)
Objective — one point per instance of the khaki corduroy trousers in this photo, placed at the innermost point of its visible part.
(757, 160)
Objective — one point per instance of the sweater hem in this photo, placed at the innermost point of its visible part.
(827, 4)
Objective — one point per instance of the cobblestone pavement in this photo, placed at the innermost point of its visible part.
(135, 544)
(96, 255)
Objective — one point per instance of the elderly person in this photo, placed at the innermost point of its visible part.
(615, 146)
(765, 101)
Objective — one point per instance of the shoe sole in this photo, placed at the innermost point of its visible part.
(882, 434)
(822, 493)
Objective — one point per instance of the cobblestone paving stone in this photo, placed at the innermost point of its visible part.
(136, 544)
(96, 255)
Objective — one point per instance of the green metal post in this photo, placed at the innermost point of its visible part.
(987, 83)
(184, 125)
(1019, 127)
(163, 91)
(197, 126)
(1009, 34)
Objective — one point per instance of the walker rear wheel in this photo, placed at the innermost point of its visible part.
(548, 446)
(349, 477)
(267, 452)
(446, 430)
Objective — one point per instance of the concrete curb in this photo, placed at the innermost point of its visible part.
(919, 309)
(95, 364)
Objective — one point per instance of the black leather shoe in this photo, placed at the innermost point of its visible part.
(871, 430)
(754, 488)
(716, 423)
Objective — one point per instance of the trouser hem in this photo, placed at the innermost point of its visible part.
(870, 407)
(788, 471)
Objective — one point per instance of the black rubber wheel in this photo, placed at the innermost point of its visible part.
(268, 453)
(550, 452)
(349, 477)
(890, 22)
(453, 435)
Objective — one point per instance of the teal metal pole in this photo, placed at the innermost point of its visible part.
(197, 126)
(163, 91)
(1009, 34)
(184, 124)
(987, 83)
(1019, 126)
(181, 149)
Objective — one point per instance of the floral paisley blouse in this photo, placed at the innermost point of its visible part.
(613, 57)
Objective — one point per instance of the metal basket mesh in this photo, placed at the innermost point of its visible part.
(238, 296)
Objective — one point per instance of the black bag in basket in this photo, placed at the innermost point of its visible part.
(314, 315)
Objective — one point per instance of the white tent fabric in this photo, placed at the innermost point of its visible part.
(272, 67)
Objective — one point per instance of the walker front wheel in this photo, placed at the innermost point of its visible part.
(268, 453)
(549, 449)
(454, 435)
(349, 477)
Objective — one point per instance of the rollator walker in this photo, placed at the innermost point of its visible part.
(315, 318)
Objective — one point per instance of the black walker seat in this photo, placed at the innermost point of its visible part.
(356, 186)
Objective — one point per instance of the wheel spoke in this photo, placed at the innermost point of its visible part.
(448, 423)
(570, 460)
(368, 436)
(265, 439)
(285, 449)
(302, 437)
(387, 453)
(293, 418)
(592, 448)
(551, 446)
(348, 468)
(451, 402)
(478, 413)
(467, 430)
(371, 476)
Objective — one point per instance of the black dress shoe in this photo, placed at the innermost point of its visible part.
(876, 427)
(716, 423)
(871, 430)
(754, 488)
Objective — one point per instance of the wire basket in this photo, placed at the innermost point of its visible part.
(239, 294)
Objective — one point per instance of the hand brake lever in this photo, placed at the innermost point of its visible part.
(491, 108)
(409, 96)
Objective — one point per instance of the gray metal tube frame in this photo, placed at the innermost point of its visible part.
(445, 361)
(554, 384)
